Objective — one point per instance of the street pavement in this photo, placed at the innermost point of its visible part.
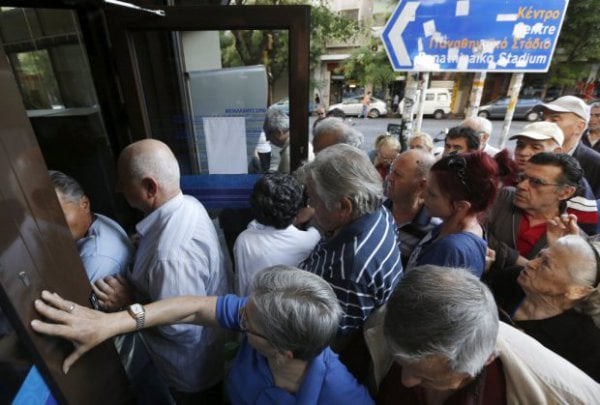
(372, 127)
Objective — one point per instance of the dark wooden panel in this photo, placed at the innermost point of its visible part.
(37, 252)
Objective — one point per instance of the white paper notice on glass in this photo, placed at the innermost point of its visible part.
(226, 145)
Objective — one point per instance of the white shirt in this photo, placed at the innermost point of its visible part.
(261, 246)
(490, 150)
(179, 254)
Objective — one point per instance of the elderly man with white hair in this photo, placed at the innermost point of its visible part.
(358, 254)
(178, 254)
(445, 344)
(483, 127)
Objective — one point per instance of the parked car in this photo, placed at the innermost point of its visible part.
(525, 109)
(436, 103)
(353, 106)
(284, 105)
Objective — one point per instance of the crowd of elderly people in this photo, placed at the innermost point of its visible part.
(470, 278)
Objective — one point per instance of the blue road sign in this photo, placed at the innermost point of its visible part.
(473, 35)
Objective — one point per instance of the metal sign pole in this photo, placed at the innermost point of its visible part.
(410, 96)
(476, 93)
(514, 95)
(424, 84)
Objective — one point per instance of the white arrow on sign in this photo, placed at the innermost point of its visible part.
(407, 15)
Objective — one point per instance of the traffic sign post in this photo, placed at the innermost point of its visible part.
(473, 35)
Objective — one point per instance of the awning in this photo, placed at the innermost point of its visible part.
(334, 57)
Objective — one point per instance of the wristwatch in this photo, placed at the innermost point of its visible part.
(138, 313)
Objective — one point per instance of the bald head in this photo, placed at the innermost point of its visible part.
(408, 175)
(148, 170)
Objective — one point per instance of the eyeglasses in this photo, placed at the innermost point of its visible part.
(386, 159)
(243, 321)
(459, 165)
(534, 181)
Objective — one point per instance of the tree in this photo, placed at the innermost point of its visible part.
(578, 44)
(270, 48)
(370, 64)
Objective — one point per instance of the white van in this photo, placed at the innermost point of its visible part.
(436, 103)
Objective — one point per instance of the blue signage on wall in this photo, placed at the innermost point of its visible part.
(473, 35)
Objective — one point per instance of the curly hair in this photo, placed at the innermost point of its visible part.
(276, 199)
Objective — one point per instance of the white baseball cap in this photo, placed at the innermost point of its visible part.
(541, 131)
(570, 104)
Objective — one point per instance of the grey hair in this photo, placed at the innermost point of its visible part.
(344, 133)
(275, 121)
(595, 105)
(478, 124)
(343, 171)
(159, 163)
(582, 268)
(426, 138)
(440, 311)
(296, 309)
(66, 185)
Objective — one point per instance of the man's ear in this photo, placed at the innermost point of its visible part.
(346, 209)
(422, 183)
(150, 187)
(566, 192)
(580, 126)
(84, 203)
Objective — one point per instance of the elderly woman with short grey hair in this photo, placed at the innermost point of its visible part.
(558, 302)
(289, 320)
(445, 345)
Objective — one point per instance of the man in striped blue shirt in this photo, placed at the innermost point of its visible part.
(358, 254)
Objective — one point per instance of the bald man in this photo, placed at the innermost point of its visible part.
(407, 183)
(178, 254)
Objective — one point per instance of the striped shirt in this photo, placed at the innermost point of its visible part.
(361, 263)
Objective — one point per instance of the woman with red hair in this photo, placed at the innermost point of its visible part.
(460, 188)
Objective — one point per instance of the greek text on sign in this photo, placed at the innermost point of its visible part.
(473, 35)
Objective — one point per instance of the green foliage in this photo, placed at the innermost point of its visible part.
(370, 64)
(246, 47)
(578, 43)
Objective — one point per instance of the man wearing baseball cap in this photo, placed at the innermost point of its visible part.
(535, 138)
(548, 137)
(572, 115)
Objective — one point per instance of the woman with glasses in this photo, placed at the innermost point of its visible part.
(460, 187)
(558, 301)
(289, 320)
(386, 148)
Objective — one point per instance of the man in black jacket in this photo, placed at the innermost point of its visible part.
(572, 115)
